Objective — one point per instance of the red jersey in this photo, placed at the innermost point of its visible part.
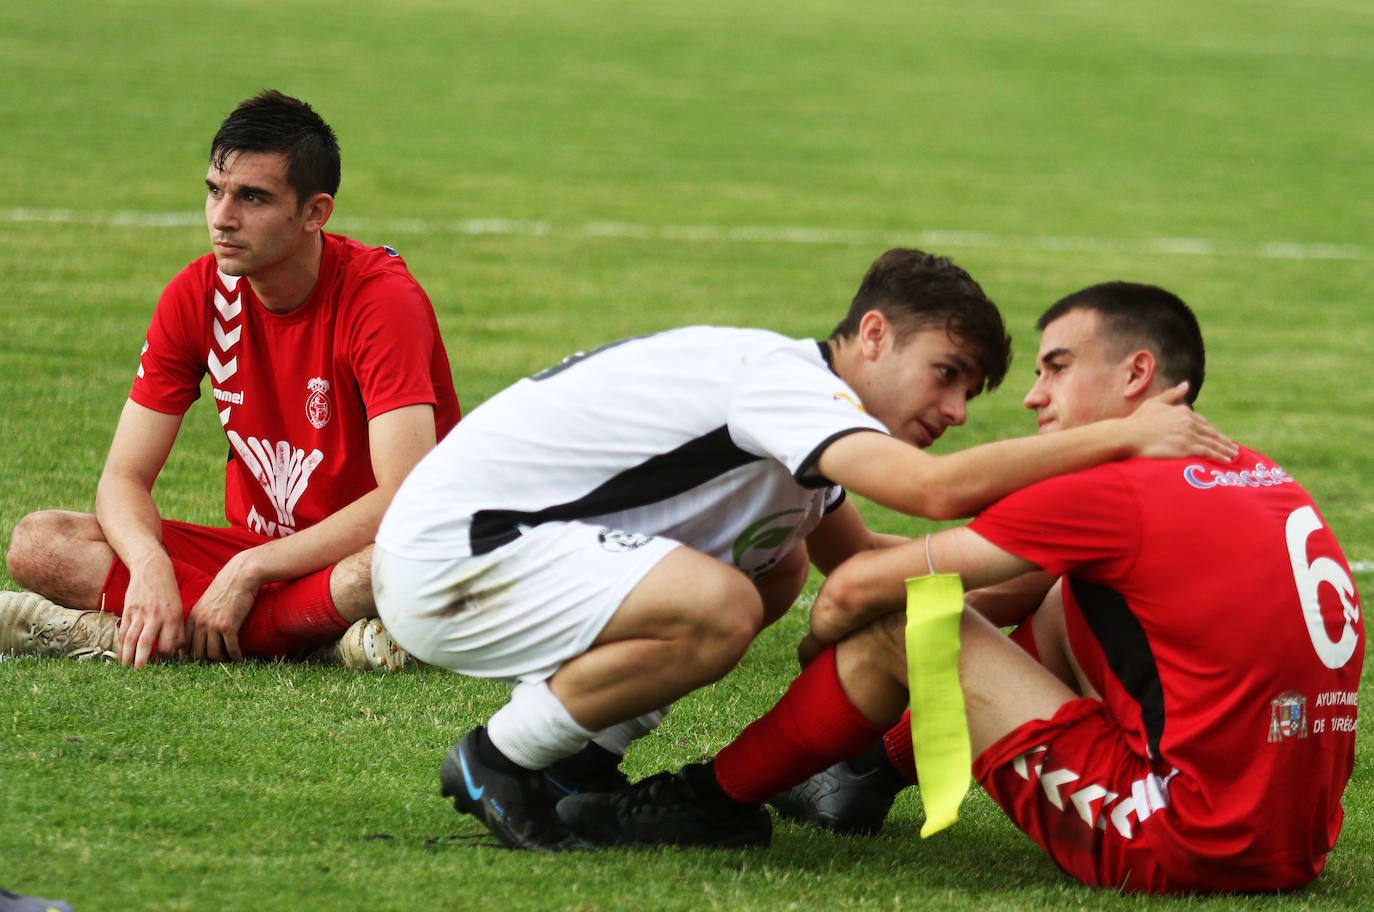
(1212, 608)
(295, 391)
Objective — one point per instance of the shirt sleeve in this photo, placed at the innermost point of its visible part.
(173, 360)
(1073, 522)
(393, 337)
(790, 408)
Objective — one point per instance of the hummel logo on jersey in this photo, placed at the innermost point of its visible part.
(284, 473)
(1147, 795)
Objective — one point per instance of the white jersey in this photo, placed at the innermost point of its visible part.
(708, 436)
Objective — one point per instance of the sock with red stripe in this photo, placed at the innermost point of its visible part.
(813, 726)
(896, 749)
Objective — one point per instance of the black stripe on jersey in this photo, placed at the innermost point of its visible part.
(659, 478)
(807, 475)
(579, 357)
(826, 355)
(1127, 650)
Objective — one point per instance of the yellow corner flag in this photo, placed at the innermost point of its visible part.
(939, 728)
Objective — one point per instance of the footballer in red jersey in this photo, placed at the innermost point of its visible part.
(330, 380)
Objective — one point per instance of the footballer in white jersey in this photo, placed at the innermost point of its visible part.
(704, 435)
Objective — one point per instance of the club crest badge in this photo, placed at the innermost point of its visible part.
(317, 407)
(1287, 716)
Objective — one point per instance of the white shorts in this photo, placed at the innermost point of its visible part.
(519, 612)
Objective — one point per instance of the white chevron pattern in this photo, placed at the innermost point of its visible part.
(220, 370)
(229, 309)
(225, 340)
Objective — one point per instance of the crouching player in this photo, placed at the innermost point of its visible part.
(1190, 725)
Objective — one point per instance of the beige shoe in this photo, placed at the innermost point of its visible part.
(365, 646)
(32, 625)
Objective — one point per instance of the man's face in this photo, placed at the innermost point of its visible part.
(920, 387)
(253, 214)
(1077, 381)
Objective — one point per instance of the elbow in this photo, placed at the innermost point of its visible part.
(838, 607)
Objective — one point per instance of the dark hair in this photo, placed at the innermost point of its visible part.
(916, 290)
(1136, 316)
(273, 122)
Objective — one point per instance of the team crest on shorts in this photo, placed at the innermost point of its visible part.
(317, 403)
(616, 540)
(1287, 716)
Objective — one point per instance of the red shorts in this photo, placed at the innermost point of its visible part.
(1072, 784)
(203, 547)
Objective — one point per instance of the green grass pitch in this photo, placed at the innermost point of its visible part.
(561, 174)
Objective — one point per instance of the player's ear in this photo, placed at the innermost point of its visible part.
(317, 211)
(1142, 367)
(874, 329)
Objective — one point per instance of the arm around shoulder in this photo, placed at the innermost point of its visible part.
(953, 485)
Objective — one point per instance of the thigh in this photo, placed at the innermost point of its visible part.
(1073, 785)
(207, 548)
(203, 549)
(521, 611)
(781, 585)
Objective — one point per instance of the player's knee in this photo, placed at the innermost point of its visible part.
(350, 586)
(882, 643)
(726, 625)
(31, 547)
(780, 586)
(838, 606)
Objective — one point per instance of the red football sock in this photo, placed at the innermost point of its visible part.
(897, 743)
(289, 616)
(813, 726)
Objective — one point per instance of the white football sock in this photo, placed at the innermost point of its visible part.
(534, 729)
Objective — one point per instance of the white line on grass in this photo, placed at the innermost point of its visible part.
(752, 234)
(759, 234)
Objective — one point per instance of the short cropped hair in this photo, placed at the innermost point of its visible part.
(275, 123)
(916, 290)
(1136, 316)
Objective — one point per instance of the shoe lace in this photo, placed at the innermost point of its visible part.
(652, 794)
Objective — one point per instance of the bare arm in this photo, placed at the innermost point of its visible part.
(129, 519)
(959, 484)
(874, 583)
(842, 534)
(397, 440)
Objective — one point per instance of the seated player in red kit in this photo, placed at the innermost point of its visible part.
(330, 380)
